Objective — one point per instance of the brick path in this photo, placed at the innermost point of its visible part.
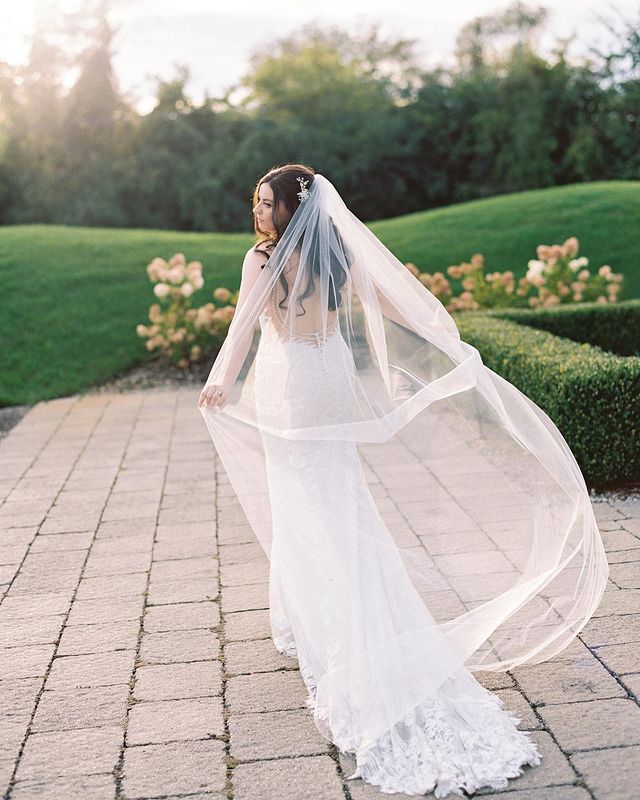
(135, 654)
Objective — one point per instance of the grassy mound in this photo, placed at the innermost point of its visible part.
(73, 296)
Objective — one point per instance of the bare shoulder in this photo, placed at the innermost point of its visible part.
(258, 255)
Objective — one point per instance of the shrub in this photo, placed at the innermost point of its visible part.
(179, 332)
(557, 276)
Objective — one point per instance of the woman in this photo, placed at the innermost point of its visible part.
(422, 517)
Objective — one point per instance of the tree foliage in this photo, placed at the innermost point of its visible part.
(393, 136)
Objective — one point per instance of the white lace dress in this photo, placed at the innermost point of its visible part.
(341, 602)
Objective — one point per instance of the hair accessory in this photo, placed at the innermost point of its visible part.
(304, 192)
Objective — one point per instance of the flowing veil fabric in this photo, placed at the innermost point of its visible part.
(422, 517)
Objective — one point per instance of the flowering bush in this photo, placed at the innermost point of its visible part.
(556, 276)
(178, 331)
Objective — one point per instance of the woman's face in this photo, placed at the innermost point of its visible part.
(263, 210)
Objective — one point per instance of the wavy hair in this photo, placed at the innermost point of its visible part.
(284, 184)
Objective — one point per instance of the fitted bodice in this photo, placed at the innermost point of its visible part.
(312, 327)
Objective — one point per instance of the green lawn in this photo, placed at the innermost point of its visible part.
(73, 296)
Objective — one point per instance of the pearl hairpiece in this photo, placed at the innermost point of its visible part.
(304, 192)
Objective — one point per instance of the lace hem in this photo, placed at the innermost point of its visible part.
(461, 740)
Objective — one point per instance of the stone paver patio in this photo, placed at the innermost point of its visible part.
(136, 660)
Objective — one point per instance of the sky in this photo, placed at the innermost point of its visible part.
(215, 38)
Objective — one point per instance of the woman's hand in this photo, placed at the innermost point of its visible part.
(214, 395)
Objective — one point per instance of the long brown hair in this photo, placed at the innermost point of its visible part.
(284, 184)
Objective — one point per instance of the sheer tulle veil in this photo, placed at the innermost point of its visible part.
(344, 369)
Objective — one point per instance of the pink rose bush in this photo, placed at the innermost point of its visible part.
(179, 331)
(557, 276)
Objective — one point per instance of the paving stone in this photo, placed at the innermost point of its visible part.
(112, 586)
(621, 539)
(256, 656)
(566, 681)
(179, 768)
(599, 723)
(100, 565)
(181, 617)
(178, 681)
(266, 691)
(70, 523)
(186, 530)
(134, 542)
(554, 768)
(55, 542)
(63, 709)
(620, 658)
(181, 590)
(12, 732)
(26, 662)
(548, 793)
(241, 553)
(495, 680)
(619, 601)
(305, 778)
(245, 625)
(129, 512)
(234, 534)
(517, 704)
(632, 684)
(615, 630)
(37, 605)
(97, 669)
(275, 735)
(172, 720)
(245, 598)
(30, 583)
(88, 787)
(99, 638)
(201, 567)
(18, 695)
(79, 752)
(97, 610)
(626, 576)
(175, 646)
(610, 774)
(117, 528)
(192, 547)
(195, 513)
(26, 632)
(244, 574)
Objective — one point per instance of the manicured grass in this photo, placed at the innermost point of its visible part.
(605, 216)
(73, 296)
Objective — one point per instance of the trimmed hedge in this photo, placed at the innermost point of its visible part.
(614, 327)
(592, 396)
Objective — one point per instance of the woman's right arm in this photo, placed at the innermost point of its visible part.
(216, 394)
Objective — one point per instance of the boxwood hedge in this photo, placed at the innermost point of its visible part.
(614, 327)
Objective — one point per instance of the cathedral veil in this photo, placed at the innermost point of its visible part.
(346, 374)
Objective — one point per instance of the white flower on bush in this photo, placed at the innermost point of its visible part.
(157, 269)
(186, 289)
(197, 281)
(536, 268)
(176, 274)
(161, 290)
(604, 271)
(577, 263)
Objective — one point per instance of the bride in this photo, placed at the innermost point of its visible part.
(423, 518)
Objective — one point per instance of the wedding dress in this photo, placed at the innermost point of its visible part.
(479, 550)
